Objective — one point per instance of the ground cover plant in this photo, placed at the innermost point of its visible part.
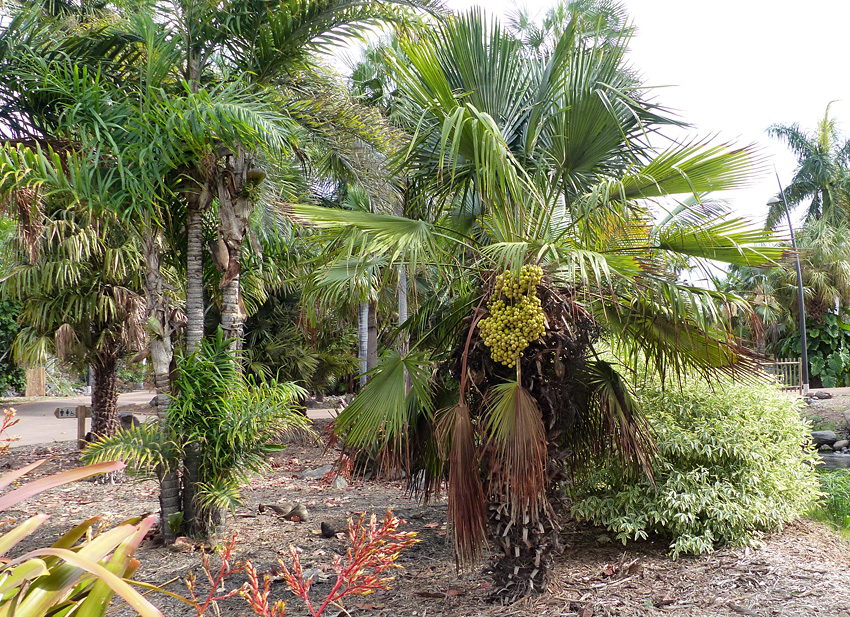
(834, 505)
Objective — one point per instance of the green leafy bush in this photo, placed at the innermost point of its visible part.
(731, 462)
(11, 375)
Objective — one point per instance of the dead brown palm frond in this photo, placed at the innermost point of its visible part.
(134, 332)
(467, 512)
(615, 419)
(25, 207)
(517, 442)
(66, 341)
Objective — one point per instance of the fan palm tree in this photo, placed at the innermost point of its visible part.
(822, 176)
(541, 160)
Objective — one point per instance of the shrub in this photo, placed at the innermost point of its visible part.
(731, 462)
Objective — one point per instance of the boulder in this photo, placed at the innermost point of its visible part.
(841, 443)
(820, 438)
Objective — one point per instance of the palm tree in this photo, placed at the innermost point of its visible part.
(275, 47)
(825, 266)
(81, 299)
(822, 175)
(536, 160)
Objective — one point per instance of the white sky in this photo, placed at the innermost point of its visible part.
(734, 67)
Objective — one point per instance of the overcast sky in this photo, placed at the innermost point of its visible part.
(734, 67)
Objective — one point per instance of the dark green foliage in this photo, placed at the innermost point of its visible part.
(11, 375)
(828, 343)
(731, 464)
(234, 422)
(285, 344)
(228, 424)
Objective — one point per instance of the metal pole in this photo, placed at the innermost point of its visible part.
(804, 377)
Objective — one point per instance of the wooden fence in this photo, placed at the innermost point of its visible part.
(787, 371)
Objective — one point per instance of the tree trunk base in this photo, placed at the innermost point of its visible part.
(526, 552)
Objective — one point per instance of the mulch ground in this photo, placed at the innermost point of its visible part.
(802, 570)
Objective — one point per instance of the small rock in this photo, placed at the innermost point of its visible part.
(824, 437)
(825, 448)
(339, 482)
(317, 575)
(328, 530)
(128, 421)
(822, 395)
(298, 512)
(315, 474)
(181, 545)
(842, 443)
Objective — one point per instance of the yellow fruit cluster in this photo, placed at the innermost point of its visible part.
(516, 318)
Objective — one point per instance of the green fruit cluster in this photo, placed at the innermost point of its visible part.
(516, 317)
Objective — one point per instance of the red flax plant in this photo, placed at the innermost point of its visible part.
(374, 551)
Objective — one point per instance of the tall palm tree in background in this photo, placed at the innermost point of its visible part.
(273, 49)
(536, 159)
(822, 176)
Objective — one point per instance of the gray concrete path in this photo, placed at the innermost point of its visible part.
(38, 424)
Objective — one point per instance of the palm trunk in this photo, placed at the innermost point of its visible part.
(198, 204)
(235, 207)
(363, 340)
(372, 355)
(161, 355)
(104, 395)
(403, 335)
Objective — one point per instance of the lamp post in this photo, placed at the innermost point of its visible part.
(804, 376)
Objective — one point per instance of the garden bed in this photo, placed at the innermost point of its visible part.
(804, 570)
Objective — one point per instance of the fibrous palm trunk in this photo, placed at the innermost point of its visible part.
(235, 185)
(104, 395)
(161, 354)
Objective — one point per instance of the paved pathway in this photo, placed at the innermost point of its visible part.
(39, 425)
